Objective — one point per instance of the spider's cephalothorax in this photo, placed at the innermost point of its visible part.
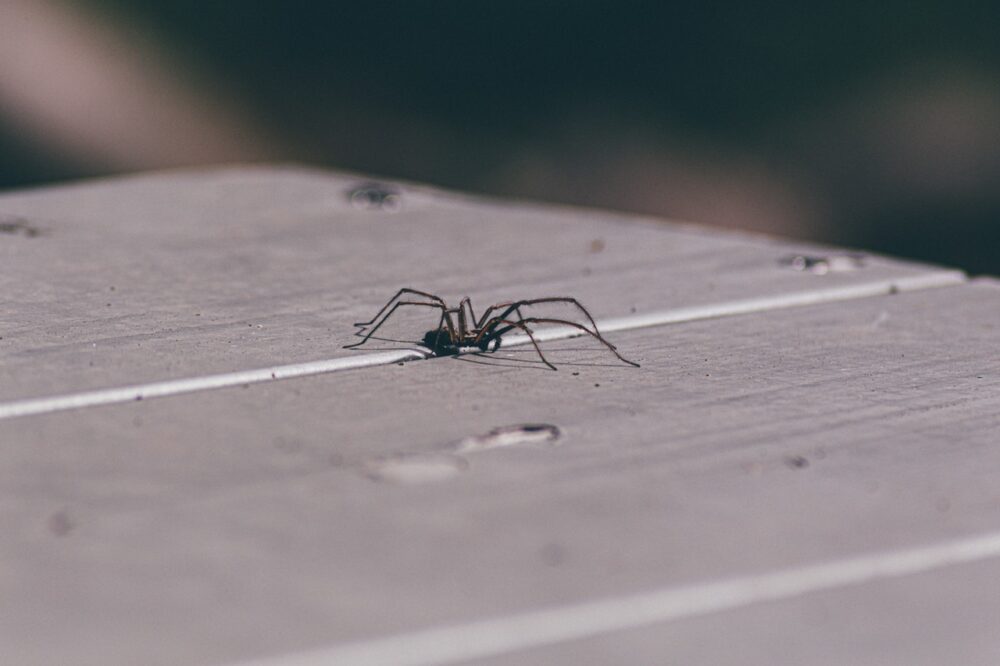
(459, 330)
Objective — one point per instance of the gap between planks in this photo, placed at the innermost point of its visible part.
(533, 629)
(100, 397)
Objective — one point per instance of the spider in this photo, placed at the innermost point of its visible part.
(459, 330)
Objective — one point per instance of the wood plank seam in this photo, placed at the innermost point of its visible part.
(490, 638)
(101, 397)
(761, 304)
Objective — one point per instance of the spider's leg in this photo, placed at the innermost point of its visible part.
(520, 317)
(486, 314)
(563, 322)
(389, 314)
(513, 306)
(385, 318)
(521, 325)
(463, 323)
(453, 332)
(467, 304)
(438, 303)
(567, 299)
(491, 330)
(446, 324)
(440, 326)
(404, 290)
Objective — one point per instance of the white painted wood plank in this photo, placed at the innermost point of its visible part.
(950, 617)
(179, 275)
(252, 523)
(408, 352)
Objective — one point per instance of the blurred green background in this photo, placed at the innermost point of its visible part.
(875, 125)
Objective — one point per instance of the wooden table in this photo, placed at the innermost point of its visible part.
(194, 471)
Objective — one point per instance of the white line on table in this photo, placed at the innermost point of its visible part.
(95, 398)
(177, 386)
(749, 305)
(486, 638)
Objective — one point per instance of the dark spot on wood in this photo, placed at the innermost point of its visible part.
(512, 435)
(18, 226)
(288, 445)
(60, 523)
(797, 462)
(553, 554)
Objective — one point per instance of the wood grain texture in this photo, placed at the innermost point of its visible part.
(950, 617)
(169, 276)
(257, 522)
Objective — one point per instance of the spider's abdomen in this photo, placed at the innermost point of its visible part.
(439, 342)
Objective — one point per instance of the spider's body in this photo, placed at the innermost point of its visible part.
(459, 330)
(440, 343)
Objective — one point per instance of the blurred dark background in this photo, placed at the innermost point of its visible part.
(868, 124)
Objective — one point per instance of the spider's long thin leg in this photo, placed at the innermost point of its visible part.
(385, 318)
(440, 327)
(520, 317)
(484, 331)
(395, 298)
(466, 304)
(446, 324)
(521, 325)
(563, 322)
(510, 305)
(513, 306)
(598, 336)
(404, 290)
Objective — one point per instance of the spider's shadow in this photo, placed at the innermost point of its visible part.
(500, 358)
(505, 361)
(360, 334)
